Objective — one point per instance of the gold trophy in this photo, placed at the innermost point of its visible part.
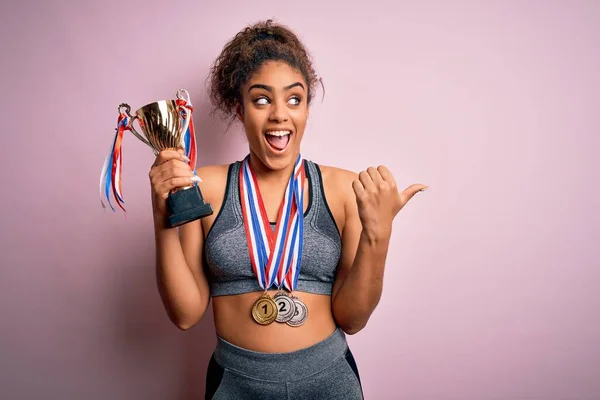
(165, 124)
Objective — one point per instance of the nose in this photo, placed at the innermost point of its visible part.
(278, 113)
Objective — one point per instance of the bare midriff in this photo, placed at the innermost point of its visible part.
(234, 323)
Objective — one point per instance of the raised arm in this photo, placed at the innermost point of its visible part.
(371, 201)
(181, 281)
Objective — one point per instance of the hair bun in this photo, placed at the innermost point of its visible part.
(266, 33)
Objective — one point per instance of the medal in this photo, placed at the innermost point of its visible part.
(301, 313)
(275, 255)
(286, 307)
(264, 310)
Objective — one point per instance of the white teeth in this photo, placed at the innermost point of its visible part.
(278, 133)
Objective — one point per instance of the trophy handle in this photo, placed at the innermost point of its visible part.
(184, 95)
(186, 124)
(130, 125)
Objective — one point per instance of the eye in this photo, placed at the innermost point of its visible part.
(261, 101)
(294, 100)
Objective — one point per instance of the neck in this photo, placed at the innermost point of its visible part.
(265, 174)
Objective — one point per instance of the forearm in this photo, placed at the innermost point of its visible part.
(176, 284)
(361, 289)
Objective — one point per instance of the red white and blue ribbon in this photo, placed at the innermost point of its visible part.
(288, 274)
(110, 177)
(275, 255)
(189, 138)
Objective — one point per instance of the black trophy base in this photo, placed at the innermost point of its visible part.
(187, 205)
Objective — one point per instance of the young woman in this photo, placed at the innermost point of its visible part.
(294, 253)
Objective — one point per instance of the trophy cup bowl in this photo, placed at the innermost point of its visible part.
(163, 128)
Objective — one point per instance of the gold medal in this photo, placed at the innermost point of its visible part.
(264, 310)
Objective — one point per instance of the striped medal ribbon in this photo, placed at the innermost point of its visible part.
(292, 310)
(274, 255)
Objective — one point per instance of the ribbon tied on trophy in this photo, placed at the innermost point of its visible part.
(165, 124)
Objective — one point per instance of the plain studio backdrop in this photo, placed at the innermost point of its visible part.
(492, 278)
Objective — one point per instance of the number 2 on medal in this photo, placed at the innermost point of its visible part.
(282, 307)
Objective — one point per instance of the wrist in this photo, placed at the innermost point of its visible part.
(375, 237)
(161, 222)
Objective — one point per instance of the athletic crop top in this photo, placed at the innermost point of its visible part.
(227, 261)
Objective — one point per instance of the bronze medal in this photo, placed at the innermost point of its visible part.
(264, 310)
(286, 307)
(301, 313)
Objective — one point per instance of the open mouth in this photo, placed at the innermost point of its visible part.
(278, 140)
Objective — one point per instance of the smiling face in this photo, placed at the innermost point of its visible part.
(274, 112)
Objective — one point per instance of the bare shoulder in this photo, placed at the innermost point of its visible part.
(213, 186)
(338, 179)
(337, 186)
(213, 170)
(214, 177)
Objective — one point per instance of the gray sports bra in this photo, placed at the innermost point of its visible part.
(227, 261)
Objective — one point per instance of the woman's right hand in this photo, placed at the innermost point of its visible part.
(169, 171)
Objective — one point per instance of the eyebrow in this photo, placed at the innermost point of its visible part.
(270, 89)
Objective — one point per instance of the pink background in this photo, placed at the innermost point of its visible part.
(492, 281)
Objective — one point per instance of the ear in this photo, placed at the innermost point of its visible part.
(239, 111)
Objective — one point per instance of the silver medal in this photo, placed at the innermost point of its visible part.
(286, 307)
(301, 313)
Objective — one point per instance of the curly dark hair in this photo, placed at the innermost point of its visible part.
(243, 56)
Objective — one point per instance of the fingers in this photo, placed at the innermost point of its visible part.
(366, 181)
(176, 167)
(377, 178)
(410, 191)
(369, 180)
(380, 182)
(168, 155)
(165, 187)
(359, 189)
(171, 171)
(386, 175)
(374, 175)
(168, 160)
